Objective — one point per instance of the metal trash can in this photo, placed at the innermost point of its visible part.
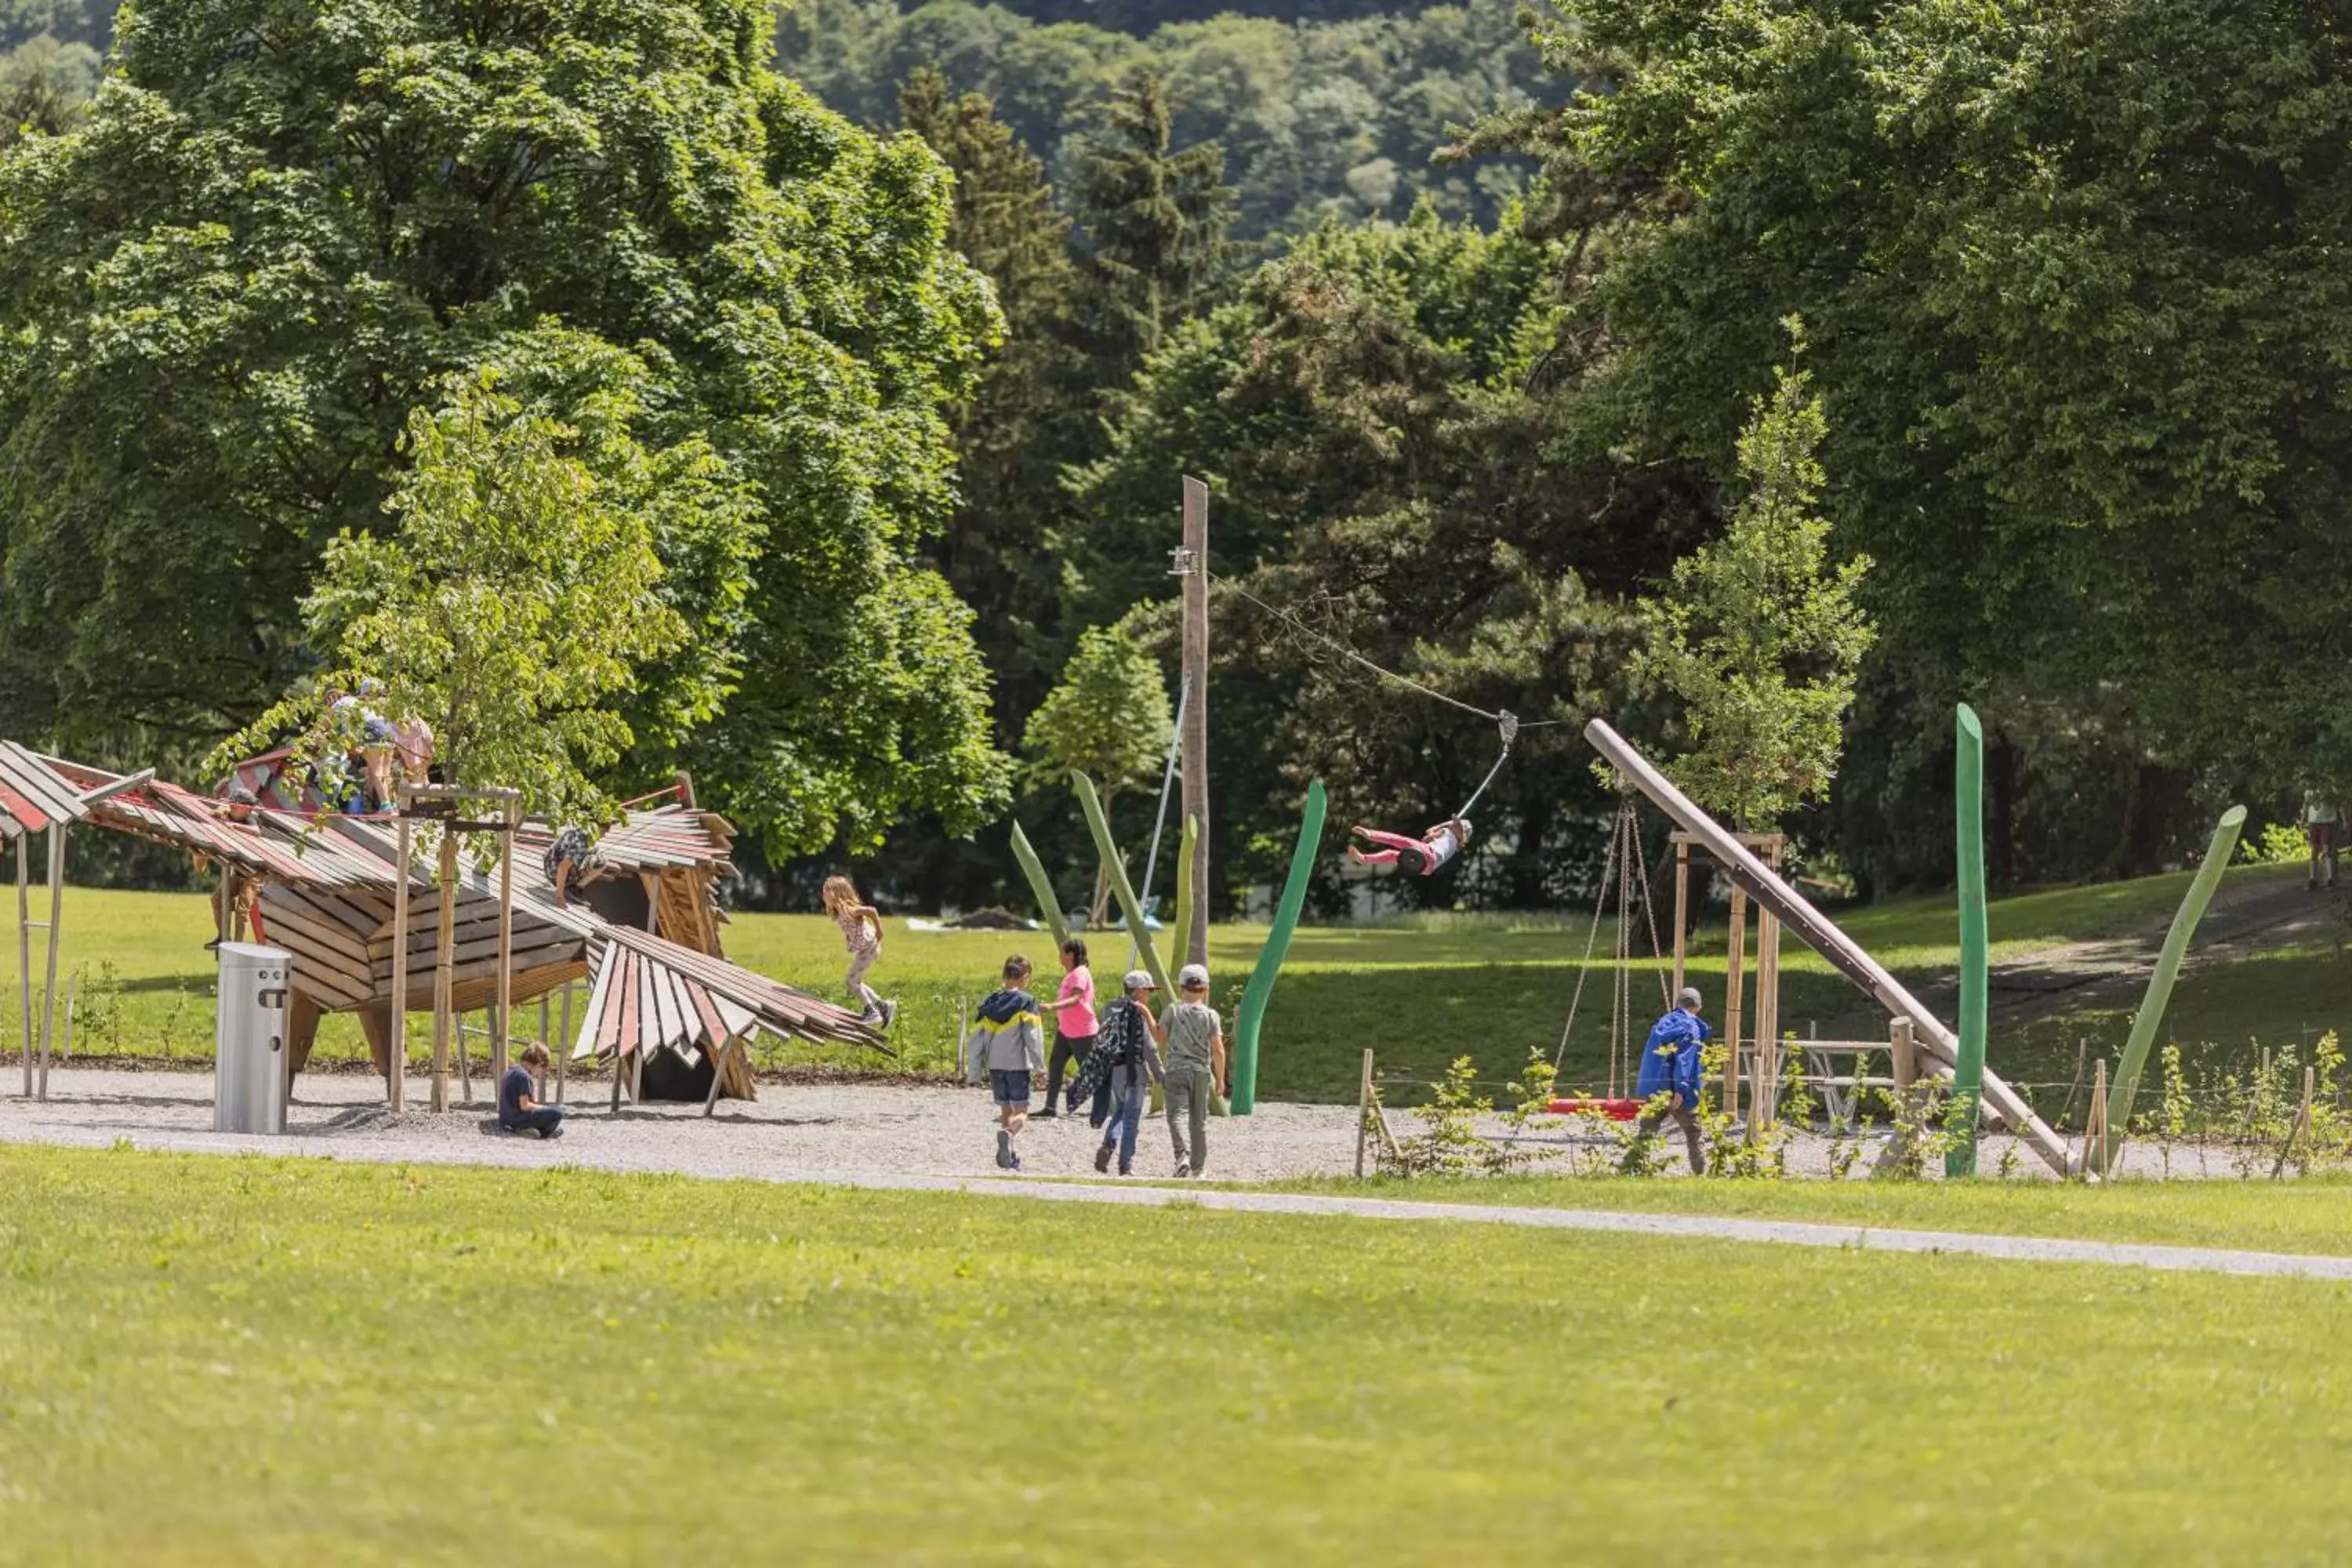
(249, 1082)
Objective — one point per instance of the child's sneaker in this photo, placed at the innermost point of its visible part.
(1127, 1170)
(1102, 1158)
(889, 1015)
(1183, 1169)
(1004, 1150)
(1014, 1161)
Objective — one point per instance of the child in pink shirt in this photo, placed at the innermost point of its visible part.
(1074, 1025)
(1417, 857)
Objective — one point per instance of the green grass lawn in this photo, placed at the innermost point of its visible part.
(2309, 1215)
(241, 1361)
(1419, 992)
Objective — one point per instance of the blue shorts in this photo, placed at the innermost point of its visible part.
(1010, 1087)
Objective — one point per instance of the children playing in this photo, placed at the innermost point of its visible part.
(1416, 857)
(519, 1107)
(861, 929)
(1006, 1047)
(1126, 1061)
(1196, 1067)
(1074, 1025)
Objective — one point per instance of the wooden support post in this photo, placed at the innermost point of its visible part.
(1193, 944)
(395, 1060)
(503, 1026)
(445, 963)
(57, 916)
(1682, 907)
(465, 1062)
(24, 953)
(539, 1089)
(2094, 1124)
(1733, 980)
(563, 1055)
(2301, 1129)
(620, 1061)
(1363, 1111)
(717, 1076)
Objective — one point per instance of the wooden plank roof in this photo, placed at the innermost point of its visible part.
(35, 793)
(655, 993)
(334, 876)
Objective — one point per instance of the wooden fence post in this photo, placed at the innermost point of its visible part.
(1363, 1111)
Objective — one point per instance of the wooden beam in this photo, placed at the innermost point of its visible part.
(444, 964)
(504, 1024)
(397, 1007)
(1821, 934)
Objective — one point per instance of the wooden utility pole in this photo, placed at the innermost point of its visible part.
(1193, 562)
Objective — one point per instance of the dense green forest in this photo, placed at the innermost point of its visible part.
(1462, 326)
(1318, 119)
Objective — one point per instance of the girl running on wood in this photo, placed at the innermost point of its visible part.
(861, 928)
(1417, 857)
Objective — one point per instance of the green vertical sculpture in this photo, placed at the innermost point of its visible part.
(1121, 888)
(1260, 990)
(2121, 1092)
(1967, 1066)
(1041, 886)
(1191, 838)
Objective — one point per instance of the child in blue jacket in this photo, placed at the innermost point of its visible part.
(1670, 1065)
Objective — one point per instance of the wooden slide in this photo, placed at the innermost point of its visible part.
(1817, 931)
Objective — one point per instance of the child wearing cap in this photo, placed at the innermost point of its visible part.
(1008, 1046)
(1126, 1063)
(1196, 1066)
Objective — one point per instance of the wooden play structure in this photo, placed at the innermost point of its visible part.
(491, 932)
(1754, 1055)
(1929, 1046)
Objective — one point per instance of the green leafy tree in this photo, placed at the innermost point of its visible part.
(514, 607)
(1759, 636)
(1154, 221)
(2089, 422)
(1387, 474)
(281, 226)
(1108, 718)
(1023, 421)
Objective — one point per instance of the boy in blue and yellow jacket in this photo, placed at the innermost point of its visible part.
(1007, 1045)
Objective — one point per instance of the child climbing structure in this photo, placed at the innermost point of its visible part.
(1792, 911)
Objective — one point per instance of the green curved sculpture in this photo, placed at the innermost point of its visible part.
(1976, 990)
(1041, 886)
(1260, 991)
(1192, 837)
(1121, 888)
(2126, 1087)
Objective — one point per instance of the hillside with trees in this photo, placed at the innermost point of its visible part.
(926, 309)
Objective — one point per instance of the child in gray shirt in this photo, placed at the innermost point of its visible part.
(1196, 1067)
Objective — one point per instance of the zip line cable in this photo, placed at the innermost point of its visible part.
(1502, 717)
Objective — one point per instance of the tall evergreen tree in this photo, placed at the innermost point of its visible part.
(1155, 223)
(1022, 423)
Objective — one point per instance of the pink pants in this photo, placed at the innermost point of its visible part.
(1417, 855)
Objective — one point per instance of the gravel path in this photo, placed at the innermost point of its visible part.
(920, 1138)
(793, 1131)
